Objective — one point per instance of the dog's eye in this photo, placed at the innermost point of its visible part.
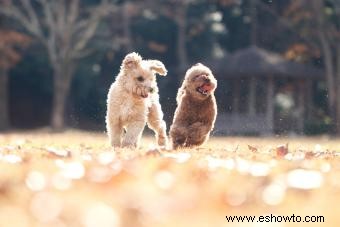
(140, 79)
(195, 77)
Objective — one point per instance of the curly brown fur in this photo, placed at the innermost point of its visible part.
(196, 108)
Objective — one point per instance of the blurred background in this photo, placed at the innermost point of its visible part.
(277, 61)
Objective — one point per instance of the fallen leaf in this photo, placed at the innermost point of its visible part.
(281, 150)
(153, 152)
(310, 154)
(58, 153)
(252, 149)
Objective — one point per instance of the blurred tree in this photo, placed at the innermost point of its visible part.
(254, 22)
(154, 19)
(10, 44)
(236, 20)
(319, 22)
(65, 29)
(203, 27)
(178, 10)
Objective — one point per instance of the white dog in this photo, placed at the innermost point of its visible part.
(133, 101)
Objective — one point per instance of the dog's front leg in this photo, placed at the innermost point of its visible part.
(198, 134)
(115, 133)
(178, 135)
(114, 130)
(156, 123)
(133, 134)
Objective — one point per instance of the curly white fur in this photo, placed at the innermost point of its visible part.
(133, 101)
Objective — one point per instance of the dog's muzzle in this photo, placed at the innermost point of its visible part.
(143, 91)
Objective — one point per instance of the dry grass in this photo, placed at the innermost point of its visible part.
(75, 179)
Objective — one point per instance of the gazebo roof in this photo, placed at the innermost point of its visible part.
(254, 61)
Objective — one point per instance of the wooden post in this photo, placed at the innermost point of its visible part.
(301, 107)
(308, 99)
(236, 97)
(4, 117)
(252, 96)
(270, 105)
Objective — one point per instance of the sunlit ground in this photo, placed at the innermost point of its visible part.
(76, 179)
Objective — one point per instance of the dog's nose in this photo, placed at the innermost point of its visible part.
(207, 80)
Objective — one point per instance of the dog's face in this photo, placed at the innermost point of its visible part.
(199, 81)
(140, 75)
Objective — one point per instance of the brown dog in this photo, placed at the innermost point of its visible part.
(196, 108)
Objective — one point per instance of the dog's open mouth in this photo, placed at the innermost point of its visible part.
(204, 89)
(144, 95)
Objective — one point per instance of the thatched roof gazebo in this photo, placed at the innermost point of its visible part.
(248, 83)
(256, 61)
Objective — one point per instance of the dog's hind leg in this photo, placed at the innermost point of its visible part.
(157, 124)
(133, 134)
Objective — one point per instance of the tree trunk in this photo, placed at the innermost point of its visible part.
(181, 36)
(126, 21)
(253, 31)
(4, 118)
(62, 82)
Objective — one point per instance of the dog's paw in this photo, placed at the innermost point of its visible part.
(178, 142)
(175, 146)
(162, 141)
(129, 146)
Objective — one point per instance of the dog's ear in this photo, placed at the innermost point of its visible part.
(132, 60)
(180, 93)
(158, 67)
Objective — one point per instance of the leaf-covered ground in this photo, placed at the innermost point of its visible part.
(76, 179)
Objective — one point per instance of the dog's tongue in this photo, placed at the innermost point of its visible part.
(145, 95)
(207, 87)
